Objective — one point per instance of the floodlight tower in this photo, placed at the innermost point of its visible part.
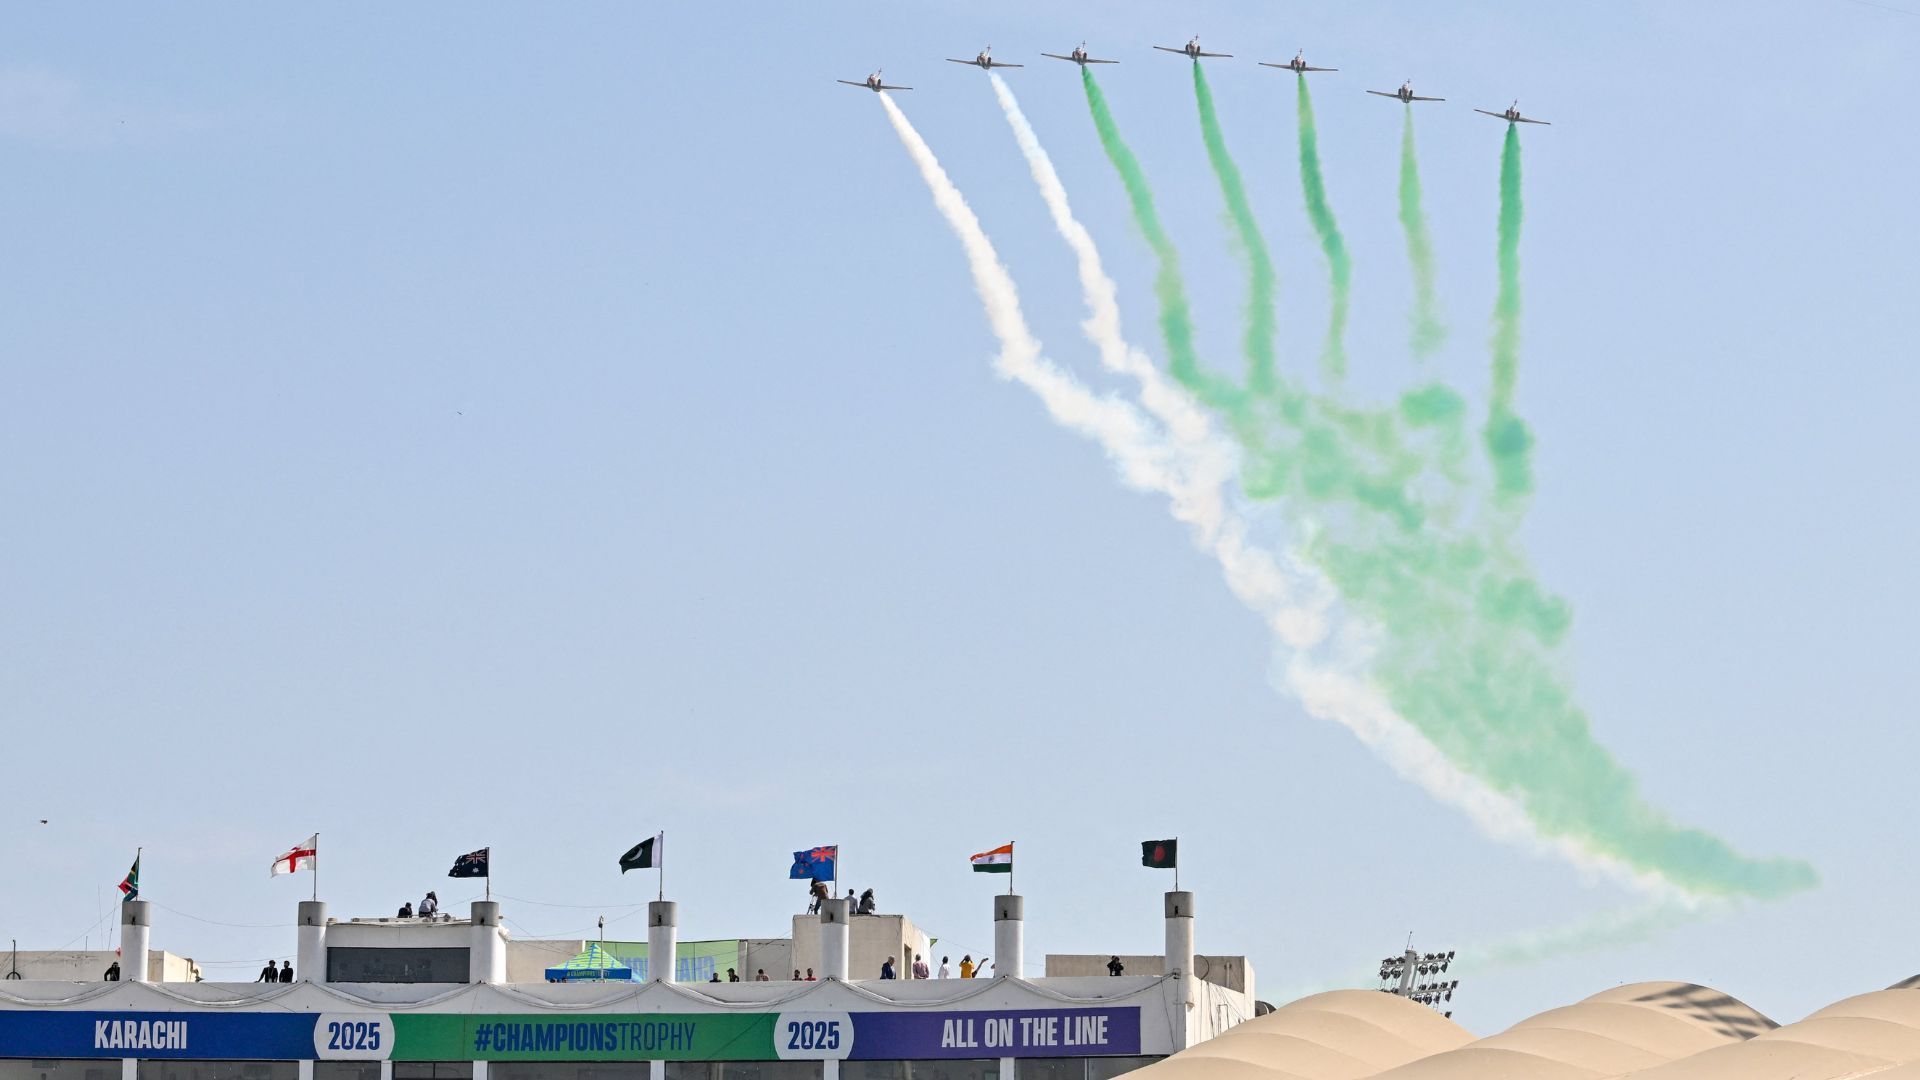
(1399, 973)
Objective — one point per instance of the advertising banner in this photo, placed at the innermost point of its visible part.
(56, 1033)
(596, 1037)
(1009, 1033)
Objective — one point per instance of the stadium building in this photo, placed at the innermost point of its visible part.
(443, 998)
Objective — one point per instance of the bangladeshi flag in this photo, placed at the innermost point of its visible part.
(1160, 854)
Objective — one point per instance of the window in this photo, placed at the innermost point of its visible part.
(178, 1069)
(59, 1069)
(346, 1070)
(433, 1070)
(1106, 1068)
(957, 1069)
(567, 1070)
(359, 965)
(746, 1070)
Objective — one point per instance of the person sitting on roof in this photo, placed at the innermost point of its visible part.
(406, 911)
(430, 905)
(113, 972)
(866, 903)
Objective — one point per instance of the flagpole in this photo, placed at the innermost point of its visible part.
(1176, 864)
(316, 866)
(1010, 868)
(660, 863)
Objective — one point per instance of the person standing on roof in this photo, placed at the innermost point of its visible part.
(945, 971)
(919, 966)
(286, 971)
(269, 973)
(886, 969)
(966, 966)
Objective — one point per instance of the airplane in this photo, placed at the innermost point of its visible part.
(1192, 50)
(873, 83)
(1512, 116)
(1297, 64)
(1079, 56)
(985, 61)
(1405, 93)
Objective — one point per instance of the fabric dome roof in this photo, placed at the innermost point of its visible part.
(1616, 1031)
(1338, 1035)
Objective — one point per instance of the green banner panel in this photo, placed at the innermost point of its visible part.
(594, 1037)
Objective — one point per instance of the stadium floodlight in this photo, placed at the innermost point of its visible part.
(1410, 975)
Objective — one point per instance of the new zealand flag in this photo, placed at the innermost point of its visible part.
(472, 864)
(815, 863)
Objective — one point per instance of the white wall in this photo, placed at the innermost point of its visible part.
(90, 965)
(1232, 972)
(871, 939)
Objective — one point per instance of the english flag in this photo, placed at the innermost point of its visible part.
(299, 858)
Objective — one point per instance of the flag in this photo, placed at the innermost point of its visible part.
(997, 861)
(1160, 854)
(299, 857)
(645, 854)
(818, 863)
(130, 885)
(472, 864)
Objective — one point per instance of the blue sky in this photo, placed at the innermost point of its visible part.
(444, 426)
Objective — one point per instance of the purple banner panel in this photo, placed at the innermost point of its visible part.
(1009, 1033)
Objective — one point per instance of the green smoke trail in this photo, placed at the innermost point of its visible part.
(1467, 644)
(1333, 356)
(1427, 330)
(1509, 443)
(1176, 318)
(1261, 279)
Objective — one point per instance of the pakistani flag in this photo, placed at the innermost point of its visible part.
(644, 855)
(130, 885)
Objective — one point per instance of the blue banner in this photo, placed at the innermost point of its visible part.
(1008, 1033)
(57, 1033)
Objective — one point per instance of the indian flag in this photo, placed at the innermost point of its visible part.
(997, 861)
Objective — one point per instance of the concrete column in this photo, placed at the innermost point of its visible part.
(303, 1069)
(480, 1070)
(487, 951)
(130, 1069)
(657, 1068)
(663, 940)
(310, 961)
(1009, 936)
(1180, 962)
(834, 942)
(136, 919)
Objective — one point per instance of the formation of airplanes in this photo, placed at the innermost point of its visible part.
(1191, 50)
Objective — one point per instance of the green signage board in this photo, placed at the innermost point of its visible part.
(583, 1037)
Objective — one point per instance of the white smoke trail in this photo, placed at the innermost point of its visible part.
(1190, 465)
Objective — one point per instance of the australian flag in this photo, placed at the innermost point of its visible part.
(472, 864)
(815, 863)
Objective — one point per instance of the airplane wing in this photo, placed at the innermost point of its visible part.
(884, 86)
(850, 82)
(1417, 97)
(1222, 55)
(1548, 123)
(1287, 67)
(1057, 56)
(1312, 68)
(951, 60)
(1169, 48)
(1495, 115)
(1383, 93)
(1002, 63)
(1092, 61)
